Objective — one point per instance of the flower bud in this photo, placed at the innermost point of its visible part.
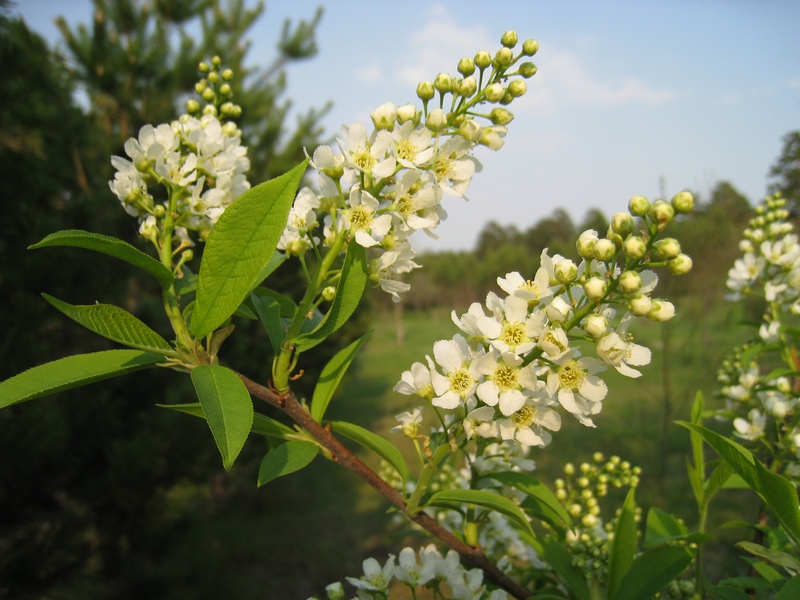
(638, 206)
(604, 249)
(630, 282)
(466, 66)
(530, 47)
(501, 116)
(470, 130)
(227, 109)
(661, 311)
(558, 310)
(203, 67)
(407, 112)
(565, 271)
(504, 57)
(585, 244)
(443, 83)
(425, 90)
(436, 120)
(595, 325)
(667, 248)
(216, 61)
(661, 212)
(335, 591)
(509, 39)
(635, 247)
(482, 59)
(517, 88)
(159, 210)
(328, 293)
(527, 69)
(208, 94)
(507, 98)
(384, 116)
(213, 77)
(595, 288)
(622, 223)
(640, 305)
(227, 74)
(225, 89)
(683, 203)
(210, 109)
(192, 106)
(492, 137)
(494, 92)
(680, 265)
(467, 87)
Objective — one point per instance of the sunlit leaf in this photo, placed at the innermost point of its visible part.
(332, 375)
(286, 458)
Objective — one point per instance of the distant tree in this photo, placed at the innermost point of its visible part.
(594, 219)
(493, 236)
(555, 232)
(786, 170)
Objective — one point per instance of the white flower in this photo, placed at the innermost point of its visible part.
(618, 353)
(409, 423)
(770, 332)
(529, 425)
(451, 166)
(375, 578)
(416, 202)
(368, 155)
(460, 379)
(574, 384)
(534, 291)
(481, 422)
(416, 381)
(410, 572)
(751, 428)
(153, 144)
(412, 147)
(512, 328)
(389, 266)
(504, 381)
(361, 218)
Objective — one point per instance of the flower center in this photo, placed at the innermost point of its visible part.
(363, 159)
(505, 377)
(571, 375)
(406, 205)
(361, 217)
(524, 417)
(460, 381)
(513, 334)
(441, 168)
(406, 150)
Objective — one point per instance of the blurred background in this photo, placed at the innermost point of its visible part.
(104, 495)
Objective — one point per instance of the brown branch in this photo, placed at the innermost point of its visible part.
(339, 453)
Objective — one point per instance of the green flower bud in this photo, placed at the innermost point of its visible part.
(585, 244)
(595, 288)
(192, 106)
(436, 120)
(661, 212)
(494, 92)
(639, 205)
(203, 67)
(187, 255)
(467, 87)
(667, 248)
(509, 39)
(517, 88)
(482, 59)
(492, 137)
(634, 247)
(506, 99)
(501, 116)
(470, 130)
(208, 95)
(565, 271)
(210, 109)
(595, 325)
(683, 203)
(530, 47)
(680, 265)
(201, 86)
(527, 69)
(443, 83)
(622, 224)
(225, 89)
(504, 57)
(466, 66)
(407, 112)
(630, 282)
(425, 90)
(569, 469)
(384, 116)
(227, 74)
(159, 210)
(604, 249)
(213, 77)
(328, 293)
(640, 305)
(335, 591)
(661, 311)
(216, 61)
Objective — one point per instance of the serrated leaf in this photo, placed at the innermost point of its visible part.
(348, 295)
(227, 406)
(275, 261)
(262, 424)
(108, 245)
(374, 442)
(717, 480)
(269, 313)
(782, 559)
(115, 324)
(332, 375)
(791, 590)
(240, 247)
(623, 546)
(542, 501)
(651, 571)
(286, 458)
(485, 499)
(73, 371)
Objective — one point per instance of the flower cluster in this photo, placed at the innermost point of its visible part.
(376, 188)
(756, 381)
(188, 171)
(428, 570)
(521, 355)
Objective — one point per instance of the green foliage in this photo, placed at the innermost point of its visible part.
(373, 442)
(454, 498)
(286, 458)
(331, 377)
(786, 170)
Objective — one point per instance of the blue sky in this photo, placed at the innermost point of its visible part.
(628, 93)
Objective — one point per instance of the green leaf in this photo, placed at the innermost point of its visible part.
(768, 573)
(791, 590)
(555, 555)
(782, 559)
(651, 571)
(540, 499)
(286, 458)
(262, 424)
(269, 313)
(332, 375)
(111, 246)
(71, 372)
(348, 294)
(501, 504)
(717, 480)
(115, 324)
(275, 261)
(240, 247)
(662, 527)
(227, 406)
(728, 593)
(623, 546)
(374, 442)
(779, 494)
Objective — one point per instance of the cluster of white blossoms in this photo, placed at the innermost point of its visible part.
(428, 570)
(376, 188)
(755, 392)
(521, 355)
(189, 170)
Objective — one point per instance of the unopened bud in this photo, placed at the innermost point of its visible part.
(466, 66)
(443, 83)
(517, 88)
(208, 94)
(425, 90)
(213, 77)
(667, 248)
(680, 265)
(203, 67)
(639, 205)
(467, 87)
(622, 224)
(192, 106)
(201, 86)
(492, 137)
(328, 293)
(530, 47)
(384, 116)
(527, 69)
(436, 120)
(494, 92)
(509, 39)
(470, 130)
(585, 244)
(595, 288)
(565, 271)
(501, 116)
(504, 57)
(630, 281)
(640, 305)
(407, 112)
(595, 325)
(635, 247)
(216, 61)
(661, 212)
(482, 59)
(683, 203)
(604, 249)
(661, 311)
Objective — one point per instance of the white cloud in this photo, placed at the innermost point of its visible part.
(368, 74)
